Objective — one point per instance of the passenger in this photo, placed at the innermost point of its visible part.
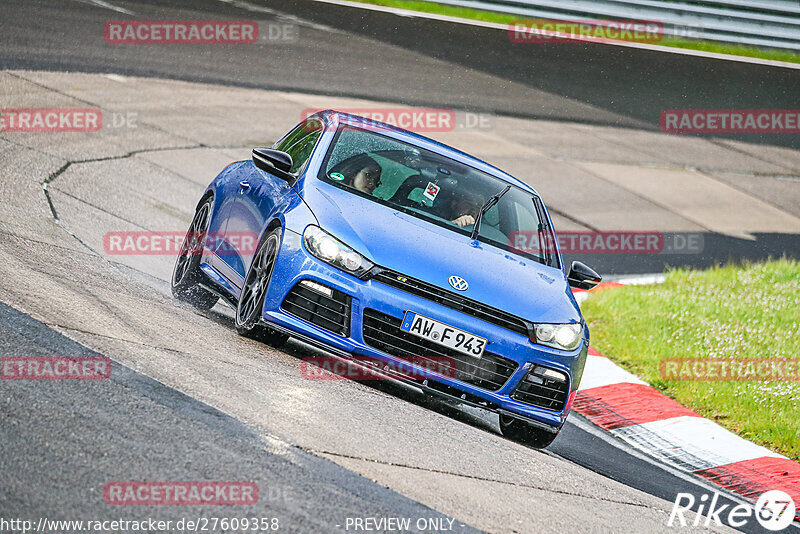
(362, 173)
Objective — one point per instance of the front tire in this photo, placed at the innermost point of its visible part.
(254, 291)
(522, 432)
(186, 275)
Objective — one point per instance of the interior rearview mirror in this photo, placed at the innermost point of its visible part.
(273, 161)
(581, 276)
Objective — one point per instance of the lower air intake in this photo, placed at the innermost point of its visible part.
(320, 305)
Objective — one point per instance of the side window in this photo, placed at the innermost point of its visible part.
(527, 221)
(300, 142)
(527, 237)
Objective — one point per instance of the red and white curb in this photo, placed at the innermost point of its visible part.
(622, 404)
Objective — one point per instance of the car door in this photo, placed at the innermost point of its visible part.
(226, 189)
(261, 195)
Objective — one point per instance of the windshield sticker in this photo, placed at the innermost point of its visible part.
(337, 176)
(431, 191)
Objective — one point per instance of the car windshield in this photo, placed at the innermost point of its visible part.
(439, 190)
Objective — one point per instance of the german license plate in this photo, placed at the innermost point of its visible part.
(443, 334)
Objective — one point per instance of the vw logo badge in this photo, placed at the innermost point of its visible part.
(458, 283)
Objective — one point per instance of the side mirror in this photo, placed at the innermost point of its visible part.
(582, 276)
(273, 161)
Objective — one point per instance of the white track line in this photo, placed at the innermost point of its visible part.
(116, 78)
(580, 297)
(640, 280)
(106, 5)
(255, 8)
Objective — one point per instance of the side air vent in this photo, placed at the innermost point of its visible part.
(320, 305)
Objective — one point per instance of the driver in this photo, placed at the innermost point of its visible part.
(464, 209)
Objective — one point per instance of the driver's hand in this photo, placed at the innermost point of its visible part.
(464, 220)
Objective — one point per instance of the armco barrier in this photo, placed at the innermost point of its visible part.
(765, 23)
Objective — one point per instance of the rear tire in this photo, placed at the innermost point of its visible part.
(186, 275)
(522, 432)
(254, 291)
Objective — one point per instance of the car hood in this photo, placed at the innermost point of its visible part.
(428, 252)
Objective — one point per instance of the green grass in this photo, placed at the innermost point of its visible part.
(732, 312)
(505, 18)
(735, 50)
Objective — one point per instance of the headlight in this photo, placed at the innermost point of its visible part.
(559, 336)
(330, 250)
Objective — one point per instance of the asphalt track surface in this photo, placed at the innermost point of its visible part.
(344, 51)
(76, 438)
(69, 439)
(78, 297)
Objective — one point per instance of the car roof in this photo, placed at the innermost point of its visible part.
(335, 118)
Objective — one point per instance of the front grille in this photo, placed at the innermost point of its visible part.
(382, 332)
(331, 312)
(452, 300)
(542, 391)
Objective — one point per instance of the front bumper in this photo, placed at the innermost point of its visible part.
(294, 264)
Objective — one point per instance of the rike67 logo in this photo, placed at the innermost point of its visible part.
(774, 510)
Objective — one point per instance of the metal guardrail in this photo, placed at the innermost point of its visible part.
(763, 23)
